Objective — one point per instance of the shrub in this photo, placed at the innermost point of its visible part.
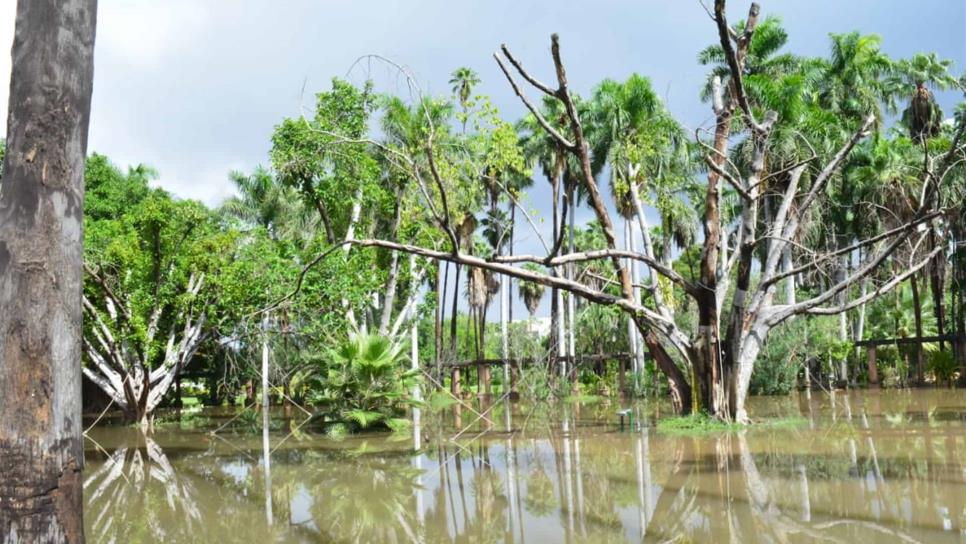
(365, 385)
(942, 364)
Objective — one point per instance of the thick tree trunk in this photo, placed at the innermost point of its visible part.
(707, 362)
(677, 383)
(41, 258)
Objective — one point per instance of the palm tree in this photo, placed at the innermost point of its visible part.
(854, 80)
(531, 293)
(923, 116)
(763, 61)
(262, 201)
(463, 79)
(542, 151)
(635, 135)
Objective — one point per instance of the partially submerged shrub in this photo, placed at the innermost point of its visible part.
(365, 385)
(942, 364)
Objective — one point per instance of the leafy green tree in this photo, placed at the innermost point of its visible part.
(160, 280)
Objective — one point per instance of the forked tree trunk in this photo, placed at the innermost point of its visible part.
(41, 275)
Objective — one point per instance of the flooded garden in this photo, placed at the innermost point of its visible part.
(594, 285)
(842, 467)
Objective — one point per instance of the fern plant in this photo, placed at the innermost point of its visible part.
(364, 385)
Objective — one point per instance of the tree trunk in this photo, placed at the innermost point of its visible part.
(936, 276)
(555, 337)
(917, 311)
(571, 299)
(631, 325)
(390, 300)
(454, 349)
(677, 383)
(41, 257)
(438, 321)
(707, 360)
(840, 274)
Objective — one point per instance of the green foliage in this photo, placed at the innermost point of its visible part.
(702, 423)
(363, 385)
(698, 423)
(791, 345)
(943, 366)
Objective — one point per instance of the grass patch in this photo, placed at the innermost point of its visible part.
(699, 423)
(702, 423)
(583, 398)
(439, 400)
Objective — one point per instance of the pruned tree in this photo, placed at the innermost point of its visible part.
(41, 276)
(162, 277)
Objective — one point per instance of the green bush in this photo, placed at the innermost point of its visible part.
(943, 366)
(364, 385)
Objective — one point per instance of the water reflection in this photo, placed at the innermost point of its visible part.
(859, 468)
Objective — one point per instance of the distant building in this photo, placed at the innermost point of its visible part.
(540, 325)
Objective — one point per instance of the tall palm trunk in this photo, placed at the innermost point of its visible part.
(936, 276)
(840, 274)
(555, 336)
(454, 349)
(441, 278)
(41, 279)
(571, 300)
(917, 312)
(631, 325)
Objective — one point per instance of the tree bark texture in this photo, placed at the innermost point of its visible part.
(41, 274)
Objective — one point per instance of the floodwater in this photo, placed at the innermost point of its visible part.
(862, 467)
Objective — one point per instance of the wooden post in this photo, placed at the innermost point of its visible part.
(873, 367)
(454, 382)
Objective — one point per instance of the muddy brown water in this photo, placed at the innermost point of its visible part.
(861, 467)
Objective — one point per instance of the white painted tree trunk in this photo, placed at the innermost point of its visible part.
(561, 335)
(790, 280)
(635, 279)
(631, 326)
(266, 444)
(414, 361)
(843, 317)
(504, 330)
(350, 234)
(751, 344)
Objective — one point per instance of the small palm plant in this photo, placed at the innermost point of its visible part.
(365, 385)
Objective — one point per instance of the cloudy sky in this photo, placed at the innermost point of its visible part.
(194, 87)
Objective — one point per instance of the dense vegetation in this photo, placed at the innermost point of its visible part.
(378, 213)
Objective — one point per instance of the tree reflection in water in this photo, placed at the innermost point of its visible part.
(864, 469)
